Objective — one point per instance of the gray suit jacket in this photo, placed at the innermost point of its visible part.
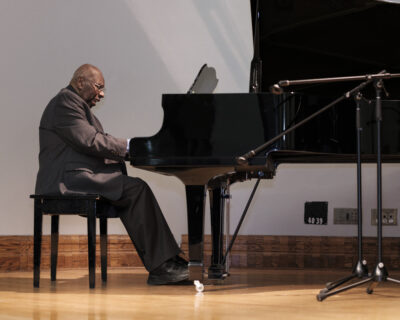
(76, 156)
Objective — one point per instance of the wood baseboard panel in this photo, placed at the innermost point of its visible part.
(304, 252)
(252, 251)
(16, 252)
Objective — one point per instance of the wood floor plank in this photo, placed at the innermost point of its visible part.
(246, 294)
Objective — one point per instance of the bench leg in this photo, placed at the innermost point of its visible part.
(91, 224)
(54, 246)
(103, 248)
(37, 242)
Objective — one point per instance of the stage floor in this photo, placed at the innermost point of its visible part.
(246, 294)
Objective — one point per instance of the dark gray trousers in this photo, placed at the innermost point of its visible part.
(145, 223)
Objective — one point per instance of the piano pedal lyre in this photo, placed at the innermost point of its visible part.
(226, 206)
(220, 213)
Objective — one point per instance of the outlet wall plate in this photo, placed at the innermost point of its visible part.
(345, 216)
(389, 217)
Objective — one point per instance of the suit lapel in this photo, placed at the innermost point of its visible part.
(97, 123)
(93, 119)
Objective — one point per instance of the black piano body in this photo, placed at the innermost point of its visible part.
(202, 134)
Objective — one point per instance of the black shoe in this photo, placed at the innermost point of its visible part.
(181, 260)
(171, 271)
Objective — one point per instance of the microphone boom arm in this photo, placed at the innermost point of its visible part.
(381, 75)
(243, 159)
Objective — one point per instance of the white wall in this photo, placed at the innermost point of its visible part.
(146, 48)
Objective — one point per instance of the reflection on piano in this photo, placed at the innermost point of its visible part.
(202, 134)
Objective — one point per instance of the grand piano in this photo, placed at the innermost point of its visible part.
(203, 134)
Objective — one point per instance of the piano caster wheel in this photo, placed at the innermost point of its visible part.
(199, 286)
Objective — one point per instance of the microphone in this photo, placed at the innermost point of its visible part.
(276, 89)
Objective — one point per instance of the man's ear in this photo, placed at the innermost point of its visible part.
(80, 83)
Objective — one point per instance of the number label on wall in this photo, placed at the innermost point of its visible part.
(316, 212)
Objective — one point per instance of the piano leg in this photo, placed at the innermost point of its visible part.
(217, 204)
(195, 199)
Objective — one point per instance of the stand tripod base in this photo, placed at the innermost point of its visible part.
(360, 270)
(379, 275)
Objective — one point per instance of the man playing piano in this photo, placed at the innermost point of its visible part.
(77, 156)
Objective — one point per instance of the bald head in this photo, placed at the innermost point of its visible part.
(88, 82)
(85, 71)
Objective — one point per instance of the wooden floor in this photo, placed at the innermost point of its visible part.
(246, 294)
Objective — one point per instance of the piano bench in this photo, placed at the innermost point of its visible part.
(91, 206)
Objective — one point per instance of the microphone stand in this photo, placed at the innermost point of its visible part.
(360, 270)
(380, 273)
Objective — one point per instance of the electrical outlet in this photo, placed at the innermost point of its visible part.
(345, 216)
(389, 217)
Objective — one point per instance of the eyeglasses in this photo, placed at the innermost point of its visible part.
(99, 87)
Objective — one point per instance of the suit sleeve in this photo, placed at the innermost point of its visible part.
(72, 126)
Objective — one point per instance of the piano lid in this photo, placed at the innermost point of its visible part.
(302, 39)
